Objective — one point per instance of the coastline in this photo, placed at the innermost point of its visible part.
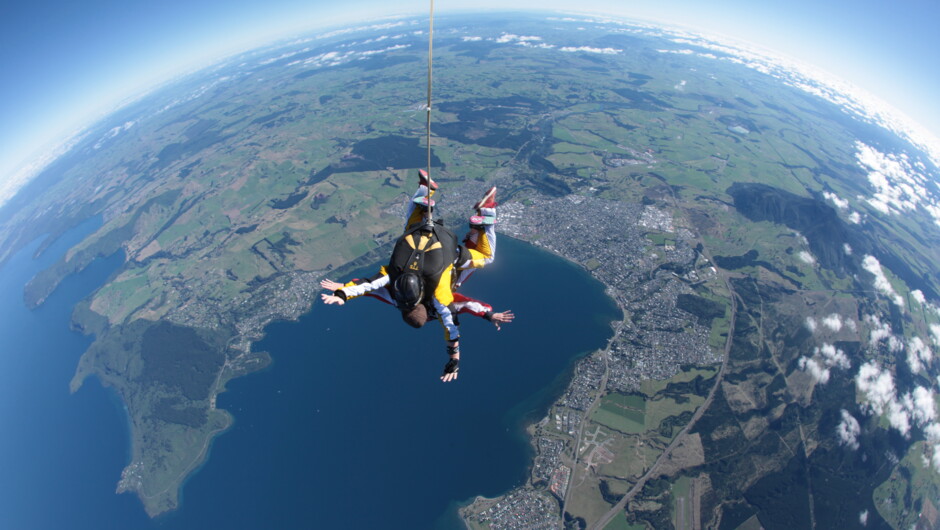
(548, 397)
(526, 432)
(560, 449)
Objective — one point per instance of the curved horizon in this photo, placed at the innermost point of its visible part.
(126, 75)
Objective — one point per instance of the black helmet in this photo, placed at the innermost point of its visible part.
(409, 290)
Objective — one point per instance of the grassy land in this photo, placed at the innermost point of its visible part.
(206, 224)
(624, 413)
(682, 503)
(620, 523)
(586, 500)
(910, 483)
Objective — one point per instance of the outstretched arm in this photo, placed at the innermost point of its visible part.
(330, 285)
(502, 318)
(343, 292)
(466, 305)
(331, 299)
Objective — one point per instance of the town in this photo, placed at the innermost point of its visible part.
(646, 262)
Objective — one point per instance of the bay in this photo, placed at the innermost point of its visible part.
(60, 453)
(350, 427)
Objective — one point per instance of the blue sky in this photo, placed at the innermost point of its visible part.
(66, 63)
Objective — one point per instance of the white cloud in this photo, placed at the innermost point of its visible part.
(879, 397)
(879, 205)
(606, 51)
(855, 218)
(333, 58)
(881, 283)
(820, 374)
(336, 58)
(833, 356)
(881, 331)
(839, 202)
(913, 362)
(918, 354)
(899, 415)
(925, 408)
(114, 132)
(935, 334)
(542, 45)
(383, 50)
(898, 186)
(377, 39)
(848, 430)
(936, 458)
(471, 39)
(847, 249)
(876, 386)
(824, 358)
(918, 295)
(810, 324)
(863, 518)
(344, 31)
(509, 37)
(807, 258)
(284, 56)
(932, 432)
(833, 322)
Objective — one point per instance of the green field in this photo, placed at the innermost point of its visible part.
(224, 201)
(634, 414)
(620, 523)
(624, 413)
(680, 490)
(662, 239)
(651, 387)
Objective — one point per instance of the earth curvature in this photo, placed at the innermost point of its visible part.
(769, 237)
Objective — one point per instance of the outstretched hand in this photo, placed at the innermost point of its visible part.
(330, 285)
(502, 318)
(450, 370)
(330, 299)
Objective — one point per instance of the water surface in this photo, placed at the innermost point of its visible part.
(350, 427)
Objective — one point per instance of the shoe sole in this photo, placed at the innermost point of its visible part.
(423, 179)
(482, 220)
(487, 201)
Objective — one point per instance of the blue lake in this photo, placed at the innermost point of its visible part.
(60, 454)
(350, 427)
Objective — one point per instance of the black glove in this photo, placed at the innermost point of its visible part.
(451, 367)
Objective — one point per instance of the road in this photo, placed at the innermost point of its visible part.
(654, 469)
(587, 415)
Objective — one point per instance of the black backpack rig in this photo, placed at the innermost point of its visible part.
(420, 258)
